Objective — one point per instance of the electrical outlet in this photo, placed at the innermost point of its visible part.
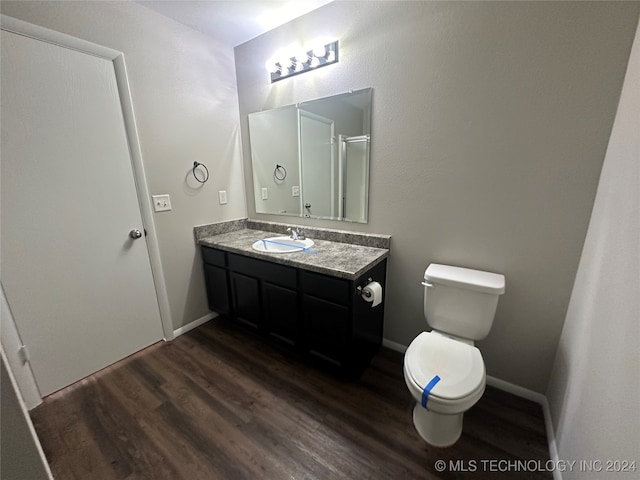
(161, 203)
(222, 197)
(295, 191)
(265, 193)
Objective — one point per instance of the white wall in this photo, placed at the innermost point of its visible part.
(21, 456)
(490, 121)
(11, 343)
(184, 95)
(594, 391)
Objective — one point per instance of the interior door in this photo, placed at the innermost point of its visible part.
(317, 169)
(79, 286)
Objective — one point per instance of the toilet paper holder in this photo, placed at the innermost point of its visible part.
(360, 289)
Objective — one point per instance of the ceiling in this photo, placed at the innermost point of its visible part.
(232, 22)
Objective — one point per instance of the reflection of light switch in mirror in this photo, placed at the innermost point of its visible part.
(295, 191)
(265, 193)
(161, 203)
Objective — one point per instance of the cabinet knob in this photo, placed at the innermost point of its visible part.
(135, 233)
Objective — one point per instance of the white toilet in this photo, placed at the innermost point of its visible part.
(442, 368)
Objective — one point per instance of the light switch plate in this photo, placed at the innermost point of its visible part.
(222, 197)
(295, 191)
(161, 203)
(265, 193)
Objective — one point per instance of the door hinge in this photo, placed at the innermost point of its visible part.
(23, 354)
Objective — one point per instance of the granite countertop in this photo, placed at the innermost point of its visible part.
(341, 260)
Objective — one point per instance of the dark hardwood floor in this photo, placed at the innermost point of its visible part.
(221, 403)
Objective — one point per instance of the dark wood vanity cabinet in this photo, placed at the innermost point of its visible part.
(215, 273)
(281, 311)
(326, 314)
(322, 316)
(264, 296)
(245, 298)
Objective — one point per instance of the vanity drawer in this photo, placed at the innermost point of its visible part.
(271, 272)
(213, 257)
(328, 288)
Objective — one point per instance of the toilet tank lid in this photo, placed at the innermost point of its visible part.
(465, 278)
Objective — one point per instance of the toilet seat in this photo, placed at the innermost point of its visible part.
(459, 366)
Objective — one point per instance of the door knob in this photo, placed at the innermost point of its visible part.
(135, 233)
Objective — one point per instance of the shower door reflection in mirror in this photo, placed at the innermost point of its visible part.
(354, 162)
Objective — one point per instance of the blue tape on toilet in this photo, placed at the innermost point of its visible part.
(427, 390)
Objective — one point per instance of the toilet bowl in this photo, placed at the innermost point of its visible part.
(443, 369)
(460, 369)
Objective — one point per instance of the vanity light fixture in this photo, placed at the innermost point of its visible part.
(291, 64)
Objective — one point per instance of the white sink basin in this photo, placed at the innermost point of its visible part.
(282, 245)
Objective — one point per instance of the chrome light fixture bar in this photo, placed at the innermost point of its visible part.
(303, 61)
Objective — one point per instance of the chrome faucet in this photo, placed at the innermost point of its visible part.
(296, 233)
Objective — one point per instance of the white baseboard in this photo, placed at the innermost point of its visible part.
(540, 399)
(551, 439)
(191, 325)
(398, 347)
(518, 391)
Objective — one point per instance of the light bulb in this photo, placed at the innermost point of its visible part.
(271, 66)
(301, 56)
(299, 66)
(331, 56)
(319, 50)
(285, 63)
(315, 61)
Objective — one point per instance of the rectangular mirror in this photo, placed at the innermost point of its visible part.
(312, 159)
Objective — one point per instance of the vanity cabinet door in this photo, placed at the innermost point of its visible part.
(326, 327)
(281, 312)
(217, 286)
(246, 298)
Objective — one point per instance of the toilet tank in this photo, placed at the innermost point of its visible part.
(460, 301)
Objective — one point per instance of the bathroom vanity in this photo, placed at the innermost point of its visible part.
(311, 302)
